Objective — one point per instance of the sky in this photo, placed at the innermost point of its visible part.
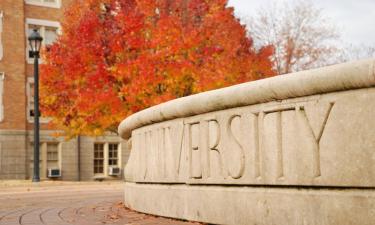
(355, 19)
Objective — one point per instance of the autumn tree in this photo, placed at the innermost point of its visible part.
(302, 36)
(116, 57)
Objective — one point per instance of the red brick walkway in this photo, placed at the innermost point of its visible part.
(83, 204)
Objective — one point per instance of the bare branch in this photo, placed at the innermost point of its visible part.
(302, 37)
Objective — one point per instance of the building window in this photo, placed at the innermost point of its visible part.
(30, 102)
(45, 3)
(98, 158)
(49, 30)
(1, 156)
(112, 154)
(106, 156)
(1, 34)
(52, 155)
(49, 157)
(2, 76)
(30, 98)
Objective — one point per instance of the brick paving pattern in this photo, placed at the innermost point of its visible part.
(83, 204)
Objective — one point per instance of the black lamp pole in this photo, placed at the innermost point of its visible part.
(35, 41)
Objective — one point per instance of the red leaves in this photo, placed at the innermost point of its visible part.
(120, 57)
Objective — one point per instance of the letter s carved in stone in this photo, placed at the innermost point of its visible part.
(235, 148)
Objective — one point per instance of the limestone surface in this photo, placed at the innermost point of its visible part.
(293, 149)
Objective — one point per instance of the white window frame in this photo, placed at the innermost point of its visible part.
(42, 3)
(106, 157)
(48, 151)
(113, 158)
(1, 156)
(1, 35)
(103, 159)
(38, 22)
(30, 119)
(43, 157)
(2, 77)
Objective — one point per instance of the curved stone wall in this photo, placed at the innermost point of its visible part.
(293, 149)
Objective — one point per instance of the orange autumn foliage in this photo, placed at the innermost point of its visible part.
(116, 57)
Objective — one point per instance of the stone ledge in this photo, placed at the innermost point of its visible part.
(291, 135)
(353, 75)
(254, 205)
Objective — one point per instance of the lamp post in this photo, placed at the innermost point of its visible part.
(35, 41)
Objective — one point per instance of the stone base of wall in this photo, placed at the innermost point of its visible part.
(254, 205)
(12, 154)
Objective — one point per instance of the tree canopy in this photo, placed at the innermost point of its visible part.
(116, 57)
(303, 37)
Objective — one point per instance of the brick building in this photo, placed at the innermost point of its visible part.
(83, 158)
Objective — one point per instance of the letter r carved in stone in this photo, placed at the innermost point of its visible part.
(213, 140)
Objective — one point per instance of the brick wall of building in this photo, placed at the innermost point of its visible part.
(16, 129)
(13, 64)
(12, 127)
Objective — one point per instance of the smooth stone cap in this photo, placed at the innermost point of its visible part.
(340, 77)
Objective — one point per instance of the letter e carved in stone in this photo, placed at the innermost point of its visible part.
(195, 163)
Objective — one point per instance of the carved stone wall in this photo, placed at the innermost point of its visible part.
(301, 138)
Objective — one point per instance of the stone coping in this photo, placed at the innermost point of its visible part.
(340, 77)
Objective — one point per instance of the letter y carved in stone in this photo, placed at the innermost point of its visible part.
(313, 119)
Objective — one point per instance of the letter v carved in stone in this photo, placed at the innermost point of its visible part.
(315, 118)
(173, 144)
(177, 143)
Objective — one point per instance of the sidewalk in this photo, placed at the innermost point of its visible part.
(62, 203)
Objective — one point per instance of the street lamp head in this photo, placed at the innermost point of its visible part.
(35, 41)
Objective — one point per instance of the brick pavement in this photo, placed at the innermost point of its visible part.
(71, 203)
